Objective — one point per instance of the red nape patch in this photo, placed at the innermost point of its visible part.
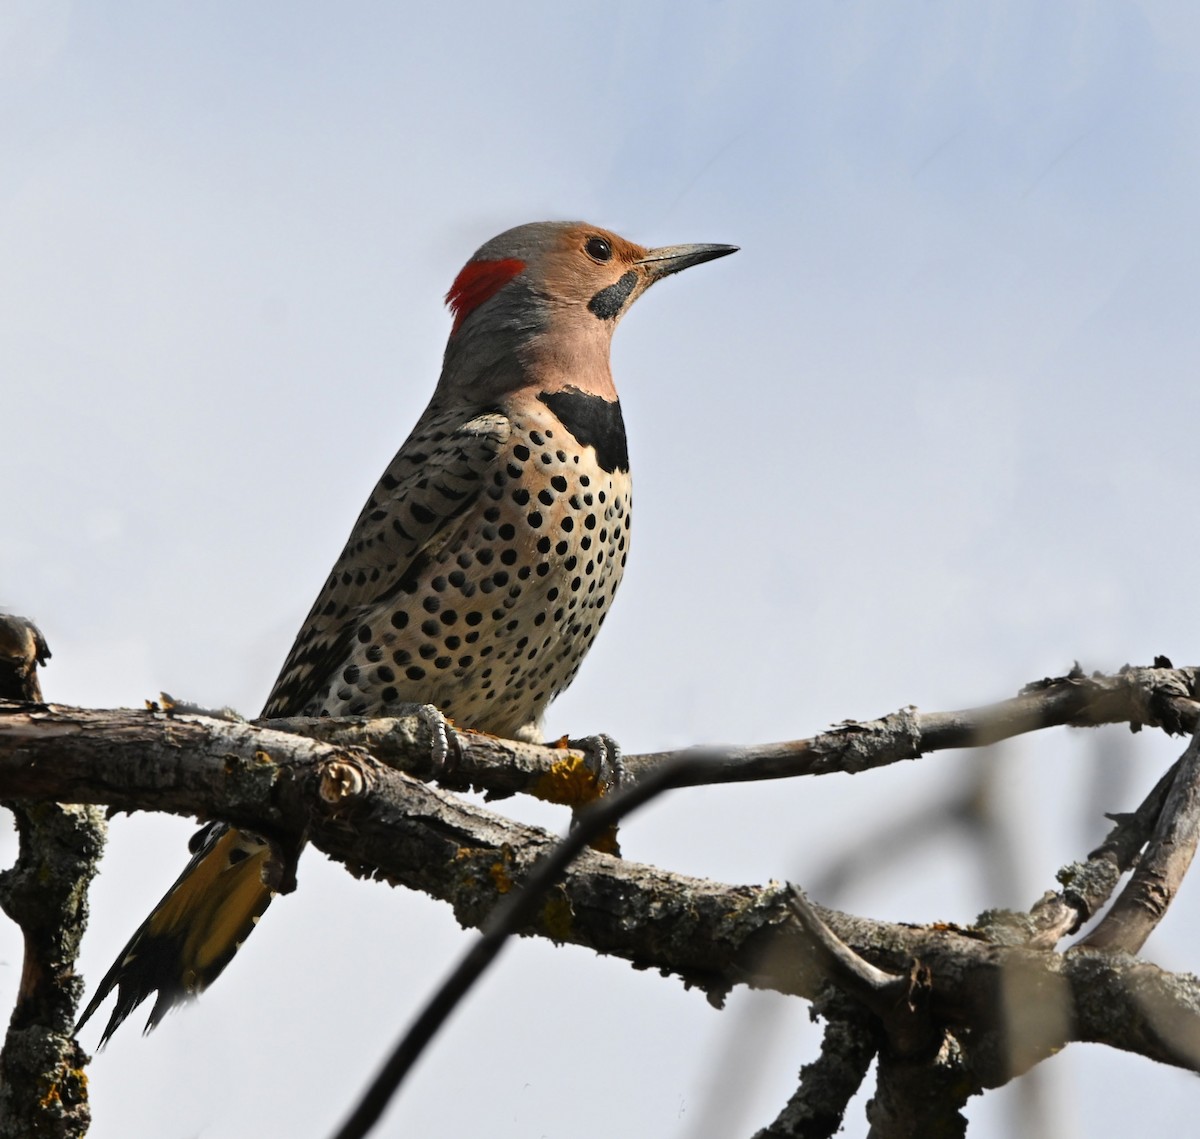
(478, 281)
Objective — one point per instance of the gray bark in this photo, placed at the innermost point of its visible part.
(951, 1011)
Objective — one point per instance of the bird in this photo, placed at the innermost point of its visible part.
(477, 574)
(22, 650)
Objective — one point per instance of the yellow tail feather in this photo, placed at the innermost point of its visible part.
(194, 932)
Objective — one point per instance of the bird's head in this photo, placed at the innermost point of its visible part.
(541, 301)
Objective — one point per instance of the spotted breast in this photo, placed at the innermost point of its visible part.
(492, 618)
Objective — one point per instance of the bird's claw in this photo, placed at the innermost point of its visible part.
(445, 746)
(603, 756)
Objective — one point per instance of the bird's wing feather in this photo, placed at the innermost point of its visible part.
(434, 480)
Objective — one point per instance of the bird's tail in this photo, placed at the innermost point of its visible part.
(195, 930)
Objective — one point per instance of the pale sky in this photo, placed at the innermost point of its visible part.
(929, 436)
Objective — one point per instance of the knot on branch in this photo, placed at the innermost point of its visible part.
(341, 781)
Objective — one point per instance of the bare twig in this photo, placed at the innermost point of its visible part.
(858, 978)
(1156, 879)
(1152, 697)
(901, 1002)
(1087, 886)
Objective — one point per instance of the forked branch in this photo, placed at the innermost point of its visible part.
(361, 791)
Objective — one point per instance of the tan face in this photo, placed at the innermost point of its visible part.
(596, 270)
(537, 305)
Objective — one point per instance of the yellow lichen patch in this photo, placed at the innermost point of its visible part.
(557, 916)
(469, 855)
(52, 1096)
(499, 871)
(569, 782)
(261, 756)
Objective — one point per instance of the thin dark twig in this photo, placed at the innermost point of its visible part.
(511, 914)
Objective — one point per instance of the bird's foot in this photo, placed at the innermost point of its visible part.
(603, 756)
(445, 746)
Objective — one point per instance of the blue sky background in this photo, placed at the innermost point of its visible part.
(929, 436)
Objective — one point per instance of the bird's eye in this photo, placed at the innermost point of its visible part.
(598, 249)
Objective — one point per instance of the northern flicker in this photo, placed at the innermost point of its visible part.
(477, 574)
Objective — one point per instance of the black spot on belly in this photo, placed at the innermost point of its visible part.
(607, 303)
(594, 422)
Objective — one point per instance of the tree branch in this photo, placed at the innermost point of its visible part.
(1087, 886)
(383, 823)
(828, 1084)
(1161, 697)
(920, 1099)
(1159, 873)
(43, 1090)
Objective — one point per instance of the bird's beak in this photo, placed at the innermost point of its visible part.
(674, 258)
